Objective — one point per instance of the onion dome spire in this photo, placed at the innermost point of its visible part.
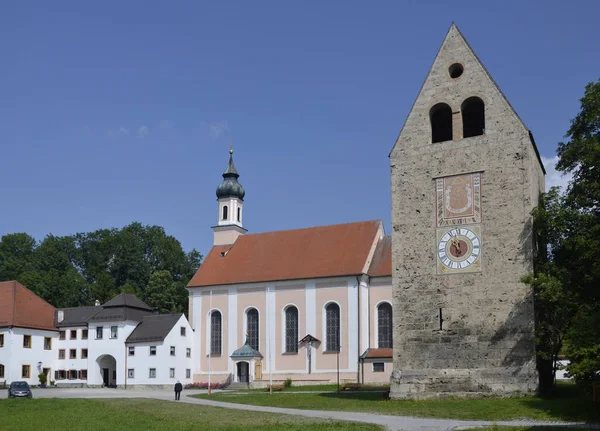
(230, 188)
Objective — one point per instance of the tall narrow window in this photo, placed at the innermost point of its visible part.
(252, 327)
(332, 323)
(225, 210)
(473, 117)
(215, 332)
(441, 123)
(1, 371)
(239, 214)
(291, 329)
(384, 325)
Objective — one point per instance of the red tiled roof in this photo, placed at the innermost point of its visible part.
(381, 264)
(377, 353)
(323, 251)
(21, 307)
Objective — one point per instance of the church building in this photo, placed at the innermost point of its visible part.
(300, 304)
(444, 290)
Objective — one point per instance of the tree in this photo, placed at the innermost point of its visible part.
(79, 269)
(567, 284)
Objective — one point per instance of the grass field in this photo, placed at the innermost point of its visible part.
(148, 415)
(568, 404)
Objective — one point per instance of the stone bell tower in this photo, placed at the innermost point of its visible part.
(465, 176)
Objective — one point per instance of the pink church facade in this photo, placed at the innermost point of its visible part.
(299, 304)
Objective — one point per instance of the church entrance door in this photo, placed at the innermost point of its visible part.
(242, 372)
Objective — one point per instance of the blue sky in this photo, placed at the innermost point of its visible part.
(114, 112)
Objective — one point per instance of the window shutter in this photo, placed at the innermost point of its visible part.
(79, 374)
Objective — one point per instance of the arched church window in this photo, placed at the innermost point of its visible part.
(473, 117)
(215, 332)
(252, 327)
(384, 325)
(239, 214)
(225, 210)
(332, 324)
(291, 329)
(441, 123)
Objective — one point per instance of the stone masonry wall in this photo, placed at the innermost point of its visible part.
(486, 345)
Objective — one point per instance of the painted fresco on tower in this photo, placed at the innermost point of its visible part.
(458, 200)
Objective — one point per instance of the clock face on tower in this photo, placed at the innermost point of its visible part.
(458, 250)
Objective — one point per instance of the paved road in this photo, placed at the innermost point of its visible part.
(394, 423)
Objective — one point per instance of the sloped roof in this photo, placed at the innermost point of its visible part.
(323, 251)
(246, 351)
(21, 307)
(127, 300)
(118, 314)
(377, 354)
(76, 316)
(381, 264)
(154, 327)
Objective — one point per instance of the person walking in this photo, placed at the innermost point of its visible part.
(178, 389)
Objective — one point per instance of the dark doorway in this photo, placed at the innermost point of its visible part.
(441, 123)
(242, 372)
(105, 376)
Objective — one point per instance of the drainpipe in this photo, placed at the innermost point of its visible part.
(359, 330)
(126, 372)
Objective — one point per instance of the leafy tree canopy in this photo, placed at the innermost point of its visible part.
(567, 283)
(79, 269)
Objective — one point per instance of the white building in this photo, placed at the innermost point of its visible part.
(121, 343)
(27, 334)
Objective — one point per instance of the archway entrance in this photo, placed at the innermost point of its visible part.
(108, 370)
(243, 369)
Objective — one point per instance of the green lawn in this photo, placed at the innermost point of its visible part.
(148, 415)
(568, 404)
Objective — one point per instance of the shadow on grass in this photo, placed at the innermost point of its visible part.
(569, 403)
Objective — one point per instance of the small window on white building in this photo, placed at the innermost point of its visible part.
(182, 329)
(113, 331)
(131, 373)
(131, 350)
(172, 373)
(188, 373)
(25, 371)
(61, 335)
(1, 340)
(72, 375)
(152, 350)
(188, 353)
(27, 341)
(172, 350)
(1, 371)
(378, 367)
(152, 373)
(73, 334)
(83, 374)
(61, 353)
(84, 353)
(84, 334)
(99, 331)
(72, 353)
(47, 343)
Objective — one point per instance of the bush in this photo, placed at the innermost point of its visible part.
(204, 385)
(287, 383)
(43, 379)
